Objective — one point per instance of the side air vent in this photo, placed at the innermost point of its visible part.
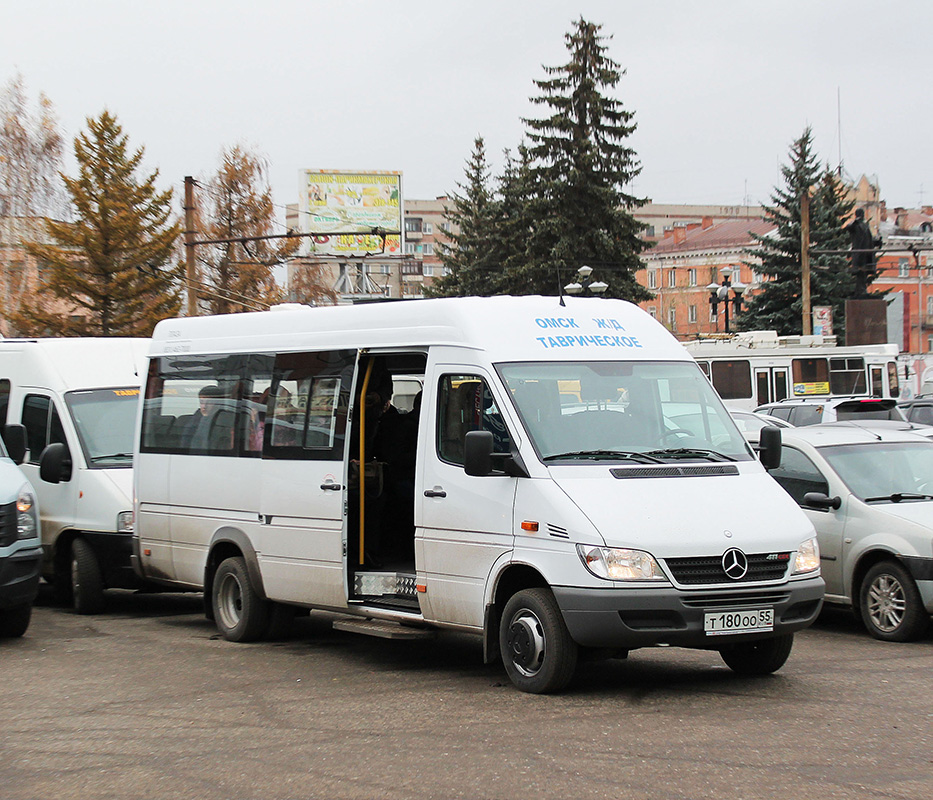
(686, 471)
(555, 530)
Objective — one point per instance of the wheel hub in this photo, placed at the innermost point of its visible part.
(526, 643)
(886, 603)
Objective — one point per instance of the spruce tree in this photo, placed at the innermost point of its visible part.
(580, 168)
(469, 257)
(239, 275)
(779, 304)
(110, 272)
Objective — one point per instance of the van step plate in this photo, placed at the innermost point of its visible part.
(384, 630)
(381, 584)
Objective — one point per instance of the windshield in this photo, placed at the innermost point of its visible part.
(884, 470)
(622, 410)
(105, 420)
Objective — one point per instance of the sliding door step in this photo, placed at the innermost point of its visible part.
(382, 629)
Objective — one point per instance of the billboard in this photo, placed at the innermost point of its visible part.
(341, 209)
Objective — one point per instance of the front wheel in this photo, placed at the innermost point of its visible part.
(890, 604)
(87, 581)
(761, 657)
(240, 613)
(14, 621)
(537, 650)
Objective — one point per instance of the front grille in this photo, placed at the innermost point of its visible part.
(672, 471)
(7, 524)
(736, 599)
(708, 569)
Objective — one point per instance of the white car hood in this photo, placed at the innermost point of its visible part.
(676, 516)
(919, 512)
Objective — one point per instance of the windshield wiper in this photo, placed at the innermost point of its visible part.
(642, 458)
(691, 452)
(111, 456)
(897, 497)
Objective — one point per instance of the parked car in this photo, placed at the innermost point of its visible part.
(814, 412)
(750, 423)
(919, 410)
(868, 490)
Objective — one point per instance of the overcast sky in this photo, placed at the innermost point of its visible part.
(720, 89)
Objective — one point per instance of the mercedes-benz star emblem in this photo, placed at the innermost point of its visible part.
(735, 563)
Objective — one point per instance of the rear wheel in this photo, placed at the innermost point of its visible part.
(761, 657)
(87, 582)
(890, 604)
(240, 613)
(14, 621)
(537, 650)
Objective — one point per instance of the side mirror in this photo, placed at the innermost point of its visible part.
(821, 501)
(477, 453)
(769, 447)
(14, 437)
(55, 463)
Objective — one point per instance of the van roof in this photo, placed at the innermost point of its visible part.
(74, 363)
(508, 328)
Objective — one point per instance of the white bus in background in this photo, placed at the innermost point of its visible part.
(757, 367)
(78, 399)
(566, 481)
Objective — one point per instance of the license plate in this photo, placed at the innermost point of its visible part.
(749, 620)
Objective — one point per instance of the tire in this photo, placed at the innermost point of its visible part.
(761, 657)
(536, 647)
(87, 582)
(14, 621)
(890, 604)
(240, 613)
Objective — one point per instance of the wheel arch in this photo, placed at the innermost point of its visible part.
(512, 578)
(227, 543)
(865, 562)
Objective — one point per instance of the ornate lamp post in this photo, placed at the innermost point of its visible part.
(584, 284)
(719, 293)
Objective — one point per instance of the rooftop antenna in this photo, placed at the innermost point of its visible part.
(839, 127)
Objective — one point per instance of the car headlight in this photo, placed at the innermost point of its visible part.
(125, 522)
(807, 558)
(620, 564)
(27, 515)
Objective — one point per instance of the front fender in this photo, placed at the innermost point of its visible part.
(224, 538)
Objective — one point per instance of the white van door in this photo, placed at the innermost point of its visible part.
(464, 523)
(301, 537)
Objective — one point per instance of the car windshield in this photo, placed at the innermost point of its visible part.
(884, 471)
(105, 420)
(619, 410)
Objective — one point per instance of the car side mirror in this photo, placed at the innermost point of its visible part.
(14, 437)
(477, 453)
(769, 447)
(821, 501)
(55, 463)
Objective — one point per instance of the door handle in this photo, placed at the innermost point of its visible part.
(331, 487)
(437, 491)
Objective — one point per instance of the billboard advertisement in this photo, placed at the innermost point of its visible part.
(341, 208)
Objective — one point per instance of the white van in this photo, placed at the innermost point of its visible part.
(20, 551)
(78, 399)
(566, 481)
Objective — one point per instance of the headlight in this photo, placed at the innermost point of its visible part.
(618, 564)
(807, 558)
(27, 517)
(125, 522)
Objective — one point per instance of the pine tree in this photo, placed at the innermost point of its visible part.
(239, 275)
(779, 305)
(109, 273)
(469, 257)
(580, 166)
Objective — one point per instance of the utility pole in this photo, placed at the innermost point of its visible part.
(805, 261)
(191, 268)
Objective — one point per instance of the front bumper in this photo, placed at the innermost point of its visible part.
(642, 617)
(19, 577)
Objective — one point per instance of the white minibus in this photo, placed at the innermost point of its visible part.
(566, 483)
(78, 399)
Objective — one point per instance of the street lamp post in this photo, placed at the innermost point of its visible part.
(584, 283)
(719, 293)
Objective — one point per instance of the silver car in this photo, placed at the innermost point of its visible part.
(869, 493)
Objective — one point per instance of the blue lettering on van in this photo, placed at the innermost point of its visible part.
(613, 324)
(556, 322)
(550, 342)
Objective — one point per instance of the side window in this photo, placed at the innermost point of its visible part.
(781, 412)
(799, 475)
(732, 379)
(4, 400)
(310, 396)
(43, 425)
(806, 415)
(466, 404)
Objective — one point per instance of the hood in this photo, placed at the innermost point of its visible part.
(676, 516)
(11, 481)
(918, 512)
(122, 480)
